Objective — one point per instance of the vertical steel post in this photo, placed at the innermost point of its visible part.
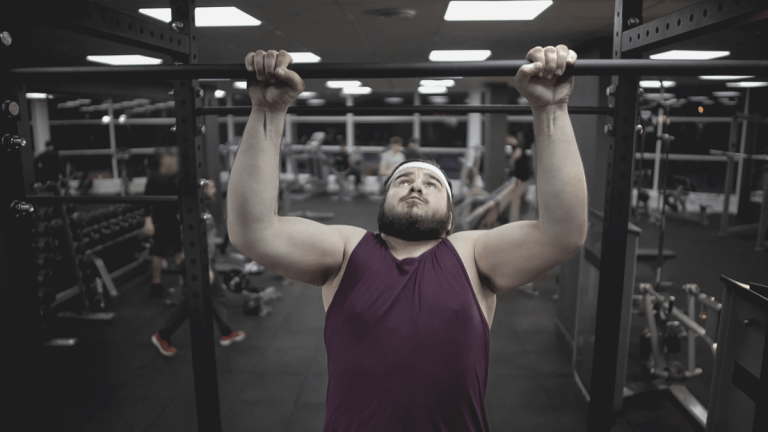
(189, 127)
(621, 155)
(729, 176)
(113, 141)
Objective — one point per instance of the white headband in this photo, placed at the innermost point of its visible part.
(426, 166)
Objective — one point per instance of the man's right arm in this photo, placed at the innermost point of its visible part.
(296, 248)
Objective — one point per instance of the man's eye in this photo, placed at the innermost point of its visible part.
(432, 185)
(404, 182)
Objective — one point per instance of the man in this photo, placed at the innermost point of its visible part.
(409, 309)
(520, 168)
(391, 157)
(162, 339)
(162, 219)
(413, 151)
(48, 167)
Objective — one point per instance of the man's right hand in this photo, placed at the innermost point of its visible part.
(274, 86)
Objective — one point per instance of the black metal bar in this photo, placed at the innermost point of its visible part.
(390, 70)
(196, 262)
(103, 199)
(697, 19)
(614, 235)
(404, 110)
(100, 21)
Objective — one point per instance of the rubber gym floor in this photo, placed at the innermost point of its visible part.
(114, 379)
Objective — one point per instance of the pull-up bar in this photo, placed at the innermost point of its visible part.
(403, 110)
(391, 70)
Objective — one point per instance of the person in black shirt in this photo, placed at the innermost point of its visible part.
(413, 151)
(520, 167)
(344, 163)
(162, 219)
(48, 166)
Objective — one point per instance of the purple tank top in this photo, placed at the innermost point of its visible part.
(407, 344)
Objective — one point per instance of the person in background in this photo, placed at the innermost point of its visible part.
(48, 167)
(392, 157)
(344, 162)
(162, 219)
(520, 167)
(413, 151)
(162, 339)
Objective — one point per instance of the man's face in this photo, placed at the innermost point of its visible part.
(396, 147)
(416, 207)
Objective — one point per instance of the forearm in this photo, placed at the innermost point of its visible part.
(254, 181)
(561, 187)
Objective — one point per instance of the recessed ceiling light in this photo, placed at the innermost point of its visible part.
(698, 99)
(707, 102)
(443, 82)
(657, 84)
(747, 84)
(725, 77)
(726, 94)
(342, 84)
(37, 95)
(438, 99)
(394, 100)
(218, 94)
(495, 10)
(307, 95)
(124, 60)
(459, 55)
(433, 89)
(316, 102)
(304, 57)
(689, 55)
(242, 85)
(346, 91)
(227, 16)
(658, 96)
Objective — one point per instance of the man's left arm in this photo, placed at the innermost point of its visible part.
(517, 253)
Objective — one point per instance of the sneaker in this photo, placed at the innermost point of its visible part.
(253, 268)
(165, 348)
(235, 336)
(156, 290)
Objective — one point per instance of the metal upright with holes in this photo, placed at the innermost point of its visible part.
(189, 128)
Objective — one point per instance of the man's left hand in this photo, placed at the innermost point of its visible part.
(542, 82)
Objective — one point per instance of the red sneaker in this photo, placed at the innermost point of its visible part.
(235, 336)
(165, 348)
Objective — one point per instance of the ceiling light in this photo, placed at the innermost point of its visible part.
(316, 102)
(708, 102)
(725, 77)
(227, 16)
(218, 94)
(106, 119)
(433, 89)
(726, 94)
(124, 60)
(304, 57)
(122, 119)
(443, 82)
(522, 101)
(727, 102)
(459, 55)
(747, 84)
(394, 100)
(698, 99)
(37, 95)
(342, 84)
(438, 99)
(657, 84)
(495, 10)
(242, 85)
(356, 91)
(658, 96)
(142, 101)
(689, 55)
(307, 95)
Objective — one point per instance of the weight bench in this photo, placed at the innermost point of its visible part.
(649, 256)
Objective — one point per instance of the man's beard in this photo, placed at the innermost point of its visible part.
(413, 227)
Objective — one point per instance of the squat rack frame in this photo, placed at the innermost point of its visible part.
(631, 37)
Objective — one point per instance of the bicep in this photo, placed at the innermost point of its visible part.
(517, 253)
(297, 248)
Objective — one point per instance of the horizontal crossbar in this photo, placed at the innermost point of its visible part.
(438, 109)
(390, 70)
(103, 199)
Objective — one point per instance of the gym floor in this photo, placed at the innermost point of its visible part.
(275, 380)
